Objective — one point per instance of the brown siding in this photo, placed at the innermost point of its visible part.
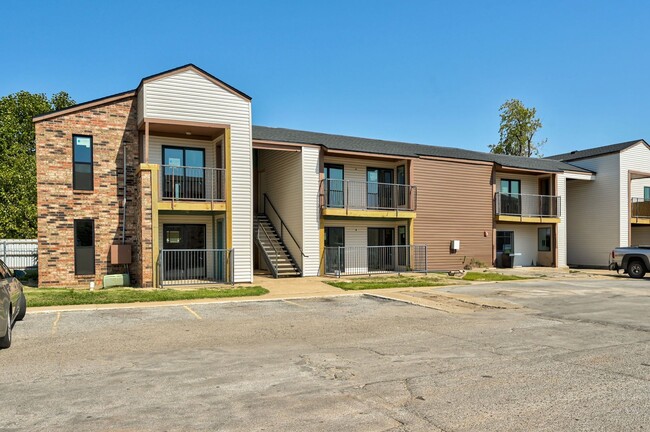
(454, 203)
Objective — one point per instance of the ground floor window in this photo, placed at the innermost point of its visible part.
(544, 239)
(505, 241)
(84, 247)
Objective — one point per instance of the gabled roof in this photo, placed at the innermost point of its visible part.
(198, 70)
(596, 151)
(397, 148)
(131, 93)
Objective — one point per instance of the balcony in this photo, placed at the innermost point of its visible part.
(192, 188)
(640, 211)
(527, 208)
(367, 199)
(367, 260)
(179, 267)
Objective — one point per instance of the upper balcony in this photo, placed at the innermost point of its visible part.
(367, 199)
(640, 211)
(527, 208)
(192, 188)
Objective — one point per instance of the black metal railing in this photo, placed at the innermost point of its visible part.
(196, 266)
(361, 260)
(286, 236)
(360, 195)
(188, 183)
(270, 249)
(640, 208)
(527, 205)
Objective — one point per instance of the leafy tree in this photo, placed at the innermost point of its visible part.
(518, 126)
(18, 160)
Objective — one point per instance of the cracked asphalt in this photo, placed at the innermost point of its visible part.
(574, 357)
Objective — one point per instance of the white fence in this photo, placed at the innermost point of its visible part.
(19, 254)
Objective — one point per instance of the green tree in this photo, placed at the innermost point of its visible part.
(518, 126)
(18, 159)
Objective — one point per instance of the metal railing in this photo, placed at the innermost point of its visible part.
(361, 260)
(19, 254)
(360, 195)
(196, 266)
(272, 258)
(188, 183)
(527, 205)
(640, 208)
(275, 217)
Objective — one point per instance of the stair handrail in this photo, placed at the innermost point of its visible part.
(276, 267)
(282, 224)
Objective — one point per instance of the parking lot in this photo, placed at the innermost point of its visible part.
(569, 355)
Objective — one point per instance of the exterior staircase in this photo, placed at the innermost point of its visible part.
(276, 255)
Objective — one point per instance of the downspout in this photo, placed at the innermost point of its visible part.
(124, 194)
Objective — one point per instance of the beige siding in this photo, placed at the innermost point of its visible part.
(454, 203)
(355, 168)
(156, 144)
(640, 235)
(311, 210)
(562, 226)
(189, 96)
(593, 217)
(526, 244)
(529, 183)
(281, 179)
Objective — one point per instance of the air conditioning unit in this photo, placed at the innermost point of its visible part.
(117, 280)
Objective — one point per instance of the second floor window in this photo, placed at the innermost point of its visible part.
(646, 193)
(82, 156)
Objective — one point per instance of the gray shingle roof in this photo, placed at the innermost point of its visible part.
(396, 148)
(596, 151)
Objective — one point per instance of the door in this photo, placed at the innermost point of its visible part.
(510, 197)
(334, 182)
(380, 188)
(184, 255)
(402, 190)
(335, 257)
(546, 204)
(403, 251)
(380, 252)
(184, 173)
(505, 247)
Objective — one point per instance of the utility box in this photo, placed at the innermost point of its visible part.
(455, 245)
(116, 280)
(120, 254)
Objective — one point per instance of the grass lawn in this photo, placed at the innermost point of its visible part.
(488, 276)
(379, 282)
(66, 296)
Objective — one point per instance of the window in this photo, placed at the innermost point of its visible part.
(84, 247)
(646, 193)
(82, 155)
(544, 239)
(334, 181)
(505, 241)
(510, 186)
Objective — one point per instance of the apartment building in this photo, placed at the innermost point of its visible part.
(172, 184)
(613, 209)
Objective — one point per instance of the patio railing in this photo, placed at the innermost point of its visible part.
(527, 205)
(640, 208)
(188, 183)
(360, 195)
(196, 266)
(359, 260)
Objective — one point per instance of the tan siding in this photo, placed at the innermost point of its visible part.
(454, 203)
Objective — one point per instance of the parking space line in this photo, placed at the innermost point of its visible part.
(197, 316)
(293, 303)
(56, 322)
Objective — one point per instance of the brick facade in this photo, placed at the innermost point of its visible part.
(59, 205)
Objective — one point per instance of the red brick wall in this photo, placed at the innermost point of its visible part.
(59, 205)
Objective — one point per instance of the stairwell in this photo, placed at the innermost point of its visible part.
(275, 252)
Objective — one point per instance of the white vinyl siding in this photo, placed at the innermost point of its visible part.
(156, 144)
(637, 159)
(281, 179)
(311, 210)
(525, 242)
(189, 96)
(593, 217)
(562, 226)
(638, 186)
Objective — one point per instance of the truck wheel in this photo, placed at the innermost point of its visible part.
(23, 308)
(636, 269)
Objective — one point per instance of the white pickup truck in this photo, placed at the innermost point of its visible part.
(634, 260)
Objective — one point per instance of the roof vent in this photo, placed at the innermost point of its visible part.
(574, 151)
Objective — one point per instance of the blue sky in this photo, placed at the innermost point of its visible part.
(418, 71)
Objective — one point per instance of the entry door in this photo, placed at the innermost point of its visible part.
(380, 188)
(505, 246)
(334, 193)
(381, 258)
(402, 191)
(545, 201)
(402, 242)
(187, 256)
(335, 258)
(510, 197)
(184, 173)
